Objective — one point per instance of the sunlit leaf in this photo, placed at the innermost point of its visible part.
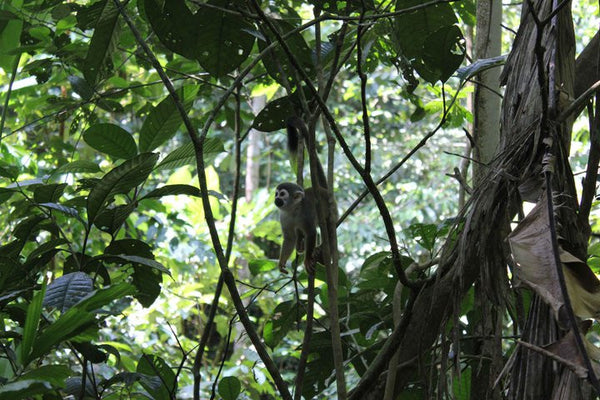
(185, 155)
(110, 139)
(119, 180)
(164, 119)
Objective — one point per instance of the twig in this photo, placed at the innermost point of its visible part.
(573, 367)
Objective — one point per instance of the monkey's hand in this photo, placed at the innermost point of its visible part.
(310, 264)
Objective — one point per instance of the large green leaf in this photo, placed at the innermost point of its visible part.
(49, 193)
(276, 62)
(24, 389)
(78, 166)
(273, 116)
(230, 388)
(111, 139)
(104, 41)
(285, 316)
(171, 190)
(10, 35)
(32, 320)
(143, 261)
(428, 39)
(174, 24)
(119, 180)
(77, 318)
(186, 155)
(154, 366)
(223, 39)
(164, 119)
(67, 290)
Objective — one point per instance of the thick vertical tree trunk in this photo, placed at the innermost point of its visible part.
(486, 133)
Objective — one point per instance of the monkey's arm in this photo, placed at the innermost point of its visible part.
(287, 247)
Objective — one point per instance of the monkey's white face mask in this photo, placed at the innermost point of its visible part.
(284, 199)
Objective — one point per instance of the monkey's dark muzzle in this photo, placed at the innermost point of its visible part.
(278, 202)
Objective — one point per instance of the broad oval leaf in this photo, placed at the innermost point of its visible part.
(174, 24)
(230, 387)
(223, 39)
(273, 116)
(162, 122)
(426, 37)
(186, 154)
(110, 139)
(66, 291)
(119, 180)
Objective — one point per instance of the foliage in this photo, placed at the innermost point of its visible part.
(109, 263)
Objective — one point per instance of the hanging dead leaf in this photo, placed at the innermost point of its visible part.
(531, 247)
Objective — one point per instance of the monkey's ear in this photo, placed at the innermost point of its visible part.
(299, 195)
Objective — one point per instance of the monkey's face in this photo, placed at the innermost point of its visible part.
(288, 194)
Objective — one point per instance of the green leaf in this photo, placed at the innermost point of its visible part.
(162, 122)
(76, 167)
(186, 154)
(105, 295)
(285, 316)
(444, 52)
(10, 36)
(426, 37)
(276, 62)
(171, 190)
(24, 389)
(119, 180)
(230, 388)
(175, 25)
(67, 290)
(110, 139)
(77, 318)
(49, 193)
(111, 219)
(275, 114)
(143, 261)
(53, 374)
(65, 327)
(71, 212)
(47, 247)
(154, 366)
(32, 320)
(104, 41)
(223, 40)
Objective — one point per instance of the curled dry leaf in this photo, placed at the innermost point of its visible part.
(531, 247)
(566, 348)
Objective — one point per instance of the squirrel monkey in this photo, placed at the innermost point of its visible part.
(298, 207)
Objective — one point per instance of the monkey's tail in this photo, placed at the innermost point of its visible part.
(293, 124)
